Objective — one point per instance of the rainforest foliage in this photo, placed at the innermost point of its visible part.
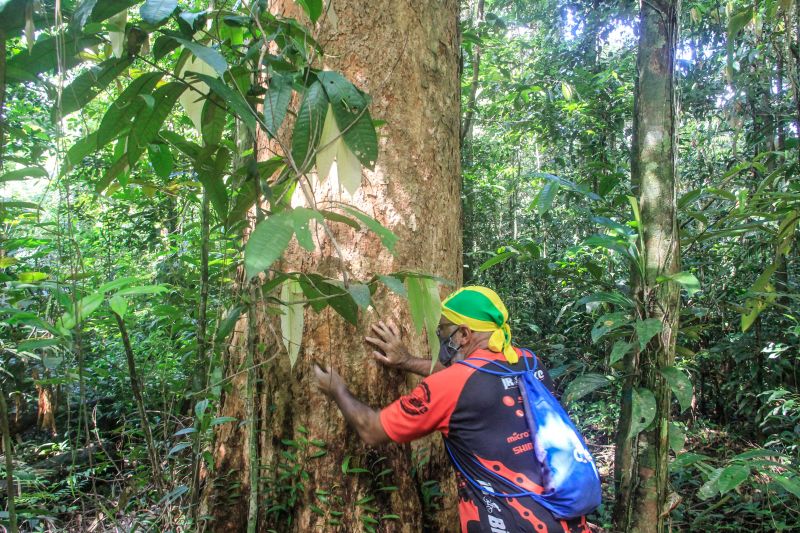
(142, 219)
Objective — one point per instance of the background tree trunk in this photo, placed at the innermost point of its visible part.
(641, 465)
(406, 58)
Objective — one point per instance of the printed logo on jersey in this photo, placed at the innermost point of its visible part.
(417, 402)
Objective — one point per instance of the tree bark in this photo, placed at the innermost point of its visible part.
(406, 58)
(641, 465)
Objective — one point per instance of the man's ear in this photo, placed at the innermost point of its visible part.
(466, 335)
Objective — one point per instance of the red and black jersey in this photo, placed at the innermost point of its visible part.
(481, 416)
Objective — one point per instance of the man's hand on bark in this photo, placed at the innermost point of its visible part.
(390, 348)
(329, 382)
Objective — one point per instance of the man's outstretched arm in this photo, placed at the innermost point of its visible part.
(393, 353)
(359, 416)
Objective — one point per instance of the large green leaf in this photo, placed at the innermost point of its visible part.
(583, 385)
(276, 102)
(43, 57)
(210, 168)
(268, 242)
(157, 11)
(687, 279)
(731, 477)
(388, 238)
(308, 127)
(643, 410)
(105, 9)
(608, 323)
(498, 258)
(426, 308)
(647, 329)
(125, 108)
(301, 219)
(352, 117)
(608, 297)
(22, 173)
(619, 350)
(237, 104)
(209, 56)
(146, 128)
(544, 199)
(313, 8)
(680, 384)
(90, 83)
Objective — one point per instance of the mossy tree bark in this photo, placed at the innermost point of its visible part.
(641, 467)
(406, 58)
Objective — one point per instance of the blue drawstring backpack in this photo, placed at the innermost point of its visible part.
(569, 476)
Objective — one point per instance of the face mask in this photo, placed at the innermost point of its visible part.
(447, 351)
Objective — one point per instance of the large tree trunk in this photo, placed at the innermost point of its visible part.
(641, 467)
(406, 57)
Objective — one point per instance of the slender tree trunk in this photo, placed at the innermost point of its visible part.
(406, 58)
(641, 467)
(136, 389)
(9, 453)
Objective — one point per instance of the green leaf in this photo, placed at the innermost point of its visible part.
(227, 324)
(677, 437)
(647, 329)
(340, 300)
(616, 298)
(120, 166)
(211, 167)
(213, 120)
(544, 199)
(216, 421)
(106, 9)
(292, 318)
(145, 129)
(308, 127)
(313, 8)
(142, 289)
(118, 304)
(352, 117)
(276, 102)
(731, 477)
(643, 410)
(687, 279)
(22, 173)
(161, 159)
(608, 323)
(737, 22)
(301, 218)
(426, 309)
(235, 102)
(89, 84)
(36, 344)
(31, 277)
(710, 488)
(388, 238)
(88, 304)
(207, 55)
(124, 109)
(360, 294)
(583, 385)
(498, 258)
(395, 285)
(680, 384)
(157, 11)
(790, 484)
(336, 217)
(619, 350)
(44, 56)
(267, 243)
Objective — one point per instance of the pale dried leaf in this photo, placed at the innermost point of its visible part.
(117, 38)
(330, 141)
(192, 100)
(292, 318)
(349, 169)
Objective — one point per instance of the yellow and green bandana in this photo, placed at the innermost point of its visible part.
(481, 309)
